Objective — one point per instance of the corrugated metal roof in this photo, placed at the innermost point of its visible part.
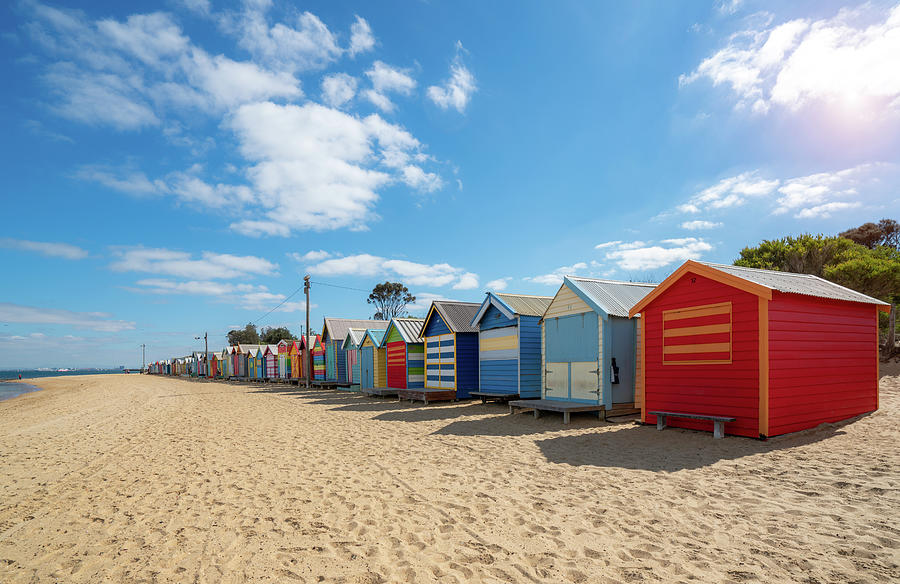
(525, 304)
(338, 327)
(614, 298)
(792, 283)
(458, 315)
(248, 348)
(409, 329)
(377, 335)
(356, 335)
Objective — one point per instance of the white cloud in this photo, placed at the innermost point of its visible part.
(818, 195)
(52, 249)
(648, 256)
(124, 180)
(231, 83)
(700, 224)
(128, 74)
(98, 321)
(423, 302)
(311, 256)
(728, 7)
(182, 264)
(607, 244)
(314, 165)
(265, 301)
(457, 91)
(498, 285)
(200, 7)
(844, 60)
(338, 89)
(825, 210)
(467, 281)
(730, 192)
(410, 273)
(149, 37)
(555, 278)
(386, 79)
(810, 196)
(426, 182)
(100, 99)
(361, 38)
(303, 45)
(247, 296)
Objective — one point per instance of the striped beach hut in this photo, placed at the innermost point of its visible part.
(317, 353)
(451, 352)
(270, 356)
(284, 368)
(371, 360)
(334, 333)
(770, 352)
(405, 354)
(352, 343)
(509, 345)
(295, 354)
(590, 347)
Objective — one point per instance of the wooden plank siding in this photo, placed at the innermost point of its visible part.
(530, 356)
(820, 361)
(318, 359)
(565, 303)
(498, 343)
(380, 367)
(723, 389)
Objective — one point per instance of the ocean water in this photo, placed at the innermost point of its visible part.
(10, 390)
(33, 373)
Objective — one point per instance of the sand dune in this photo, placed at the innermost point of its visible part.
(143, 479)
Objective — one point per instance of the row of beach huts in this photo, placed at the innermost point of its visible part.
(749, 352)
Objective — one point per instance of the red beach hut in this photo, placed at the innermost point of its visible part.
(777, 351)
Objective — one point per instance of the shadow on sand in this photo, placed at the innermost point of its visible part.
(419, 412)
(501, 423)
(645, 448)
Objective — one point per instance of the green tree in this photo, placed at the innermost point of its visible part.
(390, 300)
(885, 232)
(271, 335)
(872, 271)
(804, 254)
(246, 335)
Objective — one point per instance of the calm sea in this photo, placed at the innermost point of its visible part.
(9, 390)
(32, 373)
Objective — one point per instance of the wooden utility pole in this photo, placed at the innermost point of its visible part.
(309, 363)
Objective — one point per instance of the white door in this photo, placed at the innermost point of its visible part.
(585, 381)
(557, 381)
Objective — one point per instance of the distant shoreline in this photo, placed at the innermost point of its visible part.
(13, 374)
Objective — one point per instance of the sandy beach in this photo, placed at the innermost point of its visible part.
(131, 478)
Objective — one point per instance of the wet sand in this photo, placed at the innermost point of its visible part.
(127, 478)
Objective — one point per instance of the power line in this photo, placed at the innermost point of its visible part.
(294, 293)
(336, 286)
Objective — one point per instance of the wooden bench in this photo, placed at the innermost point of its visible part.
(718, 421)
(566, 407)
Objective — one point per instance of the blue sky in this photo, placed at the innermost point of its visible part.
(178, 169)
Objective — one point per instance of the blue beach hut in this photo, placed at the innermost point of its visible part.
(451, 352)
(590, 355)
(371, 360)
(334, 333)
(509, 345)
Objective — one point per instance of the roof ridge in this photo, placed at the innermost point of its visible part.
(514, 294)
(732, 266)
(607, 281)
